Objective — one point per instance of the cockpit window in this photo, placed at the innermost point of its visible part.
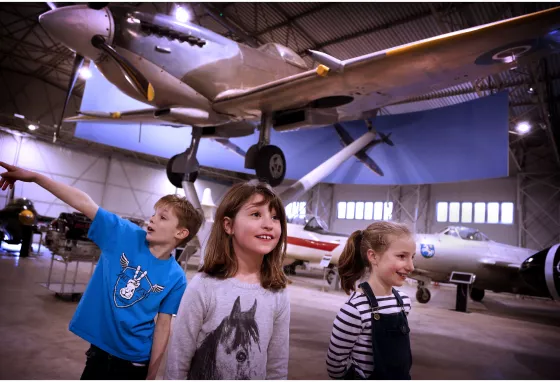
(452, 232)
(317, 225)
(471, 234)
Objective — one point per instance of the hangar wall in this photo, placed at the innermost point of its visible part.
(115, 183)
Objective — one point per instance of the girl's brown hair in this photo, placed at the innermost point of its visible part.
(354, 261)
(220, 260)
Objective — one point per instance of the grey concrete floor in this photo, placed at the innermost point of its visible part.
(504, 337)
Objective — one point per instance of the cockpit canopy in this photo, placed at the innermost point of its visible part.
(464, 233)
(285, 53)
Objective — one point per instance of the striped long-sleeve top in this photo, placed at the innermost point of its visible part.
(351, 334)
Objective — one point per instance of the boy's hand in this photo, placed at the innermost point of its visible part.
(14, 173)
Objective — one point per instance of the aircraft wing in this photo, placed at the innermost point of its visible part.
(378, 79)
(145, 116)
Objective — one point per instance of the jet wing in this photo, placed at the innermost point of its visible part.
(378, 79)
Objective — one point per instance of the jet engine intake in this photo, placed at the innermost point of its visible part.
(541, 272)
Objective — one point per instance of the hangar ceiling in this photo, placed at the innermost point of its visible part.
(344, 30)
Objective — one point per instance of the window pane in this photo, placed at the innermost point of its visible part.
(441, 212)
(341, 210)
(350, 210)
(388, 211)
(368, 211)
(507, 213)
(302, 206)
(493, 212)
(359, 210)
(466, 212)
(377, 210)
(289, 210)
(479, 212)
(454, 209)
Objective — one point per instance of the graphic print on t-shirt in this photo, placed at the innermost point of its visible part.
(228, 351)
(132, 285)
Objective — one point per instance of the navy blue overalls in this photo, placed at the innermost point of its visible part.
(392, 357)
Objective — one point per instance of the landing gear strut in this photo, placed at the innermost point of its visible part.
(267, 160)
(423, 294)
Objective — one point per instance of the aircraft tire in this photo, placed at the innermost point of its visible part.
(423, 295)
(175, 178)
(477, 294)
(330, 276)
(270, 165)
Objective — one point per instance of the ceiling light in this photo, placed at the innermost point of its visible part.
(85, 73)
(523, 127)
(32, 127)
(182, 15)
(19, 116)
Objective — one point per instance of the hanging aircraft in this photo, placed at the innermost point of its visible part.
(189, 75)
(497, 267)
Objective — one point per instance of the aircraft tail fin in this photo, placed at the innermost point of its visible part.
(362, 155)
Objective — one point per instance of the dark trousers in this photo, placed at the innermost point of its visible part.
(102, 365)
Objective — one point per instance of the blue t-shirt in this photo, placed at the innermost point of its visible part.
(126, 291)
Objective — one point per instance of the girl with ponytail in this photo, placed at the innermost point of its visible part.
(370, 335)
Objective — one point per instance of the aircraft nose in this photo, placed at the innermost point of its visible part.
(75, 26)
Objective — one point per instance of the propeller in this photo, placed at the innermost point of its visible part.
(78, 62)
(133, 75)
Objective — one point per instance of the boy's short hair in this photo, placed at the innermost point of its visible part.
(189, 217)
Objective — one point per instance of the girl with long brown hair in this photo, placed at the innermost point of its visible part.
(370, 335)
(234, 318)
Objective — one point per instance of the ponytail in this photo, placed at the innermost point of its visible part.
(351, 265)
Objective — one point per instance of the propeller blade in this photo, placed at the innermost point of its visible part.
(78, 62)
(134, 77)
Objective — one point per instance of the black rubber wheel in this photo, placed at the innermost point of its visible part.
(423, 295)
(271, 165)
(330, 276)
(477, 294)
(175, 178)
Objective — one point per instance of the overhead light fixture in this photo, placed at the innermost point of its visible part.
(531, 91)
(32, 127)
(85, 73)
(523, 127)
(19, 116)
(181, 14)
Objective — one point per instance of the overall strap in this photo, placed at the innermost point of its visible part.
(369, 294)
(398, 297)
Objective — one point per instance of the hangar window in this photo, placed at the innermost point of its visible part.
(493, 213)
(441, 212)
(454, 209)
(507, 213)
(480, 212)
(341, 209)
(296, 210)
(350, 210)
(365, 210)
(466, 212)
(368, 211)
(359, 210)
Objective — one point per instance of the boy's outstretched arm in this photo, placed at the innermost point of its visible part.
(72, 196)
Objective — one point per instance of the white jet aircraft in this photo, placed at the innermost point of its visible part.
(497, 267)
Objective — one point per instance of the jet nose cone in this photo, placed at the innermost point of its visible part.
(74, 26)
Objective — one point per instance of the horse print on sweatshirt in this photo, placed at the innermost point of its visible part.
(227, 352)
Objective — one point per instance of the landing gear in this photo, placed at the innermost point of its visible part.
(423, 294)
(477, 294)
(291, 268)
(267, 160)
(330, 276)
(184, 166)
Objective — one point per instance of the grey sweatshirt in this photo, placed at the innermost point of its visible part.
(227, 329)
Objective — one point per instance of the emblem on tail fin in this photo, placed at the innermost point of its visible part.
(132, 285)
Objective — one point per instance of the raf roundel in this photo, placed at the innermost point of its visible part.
(427, 250)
